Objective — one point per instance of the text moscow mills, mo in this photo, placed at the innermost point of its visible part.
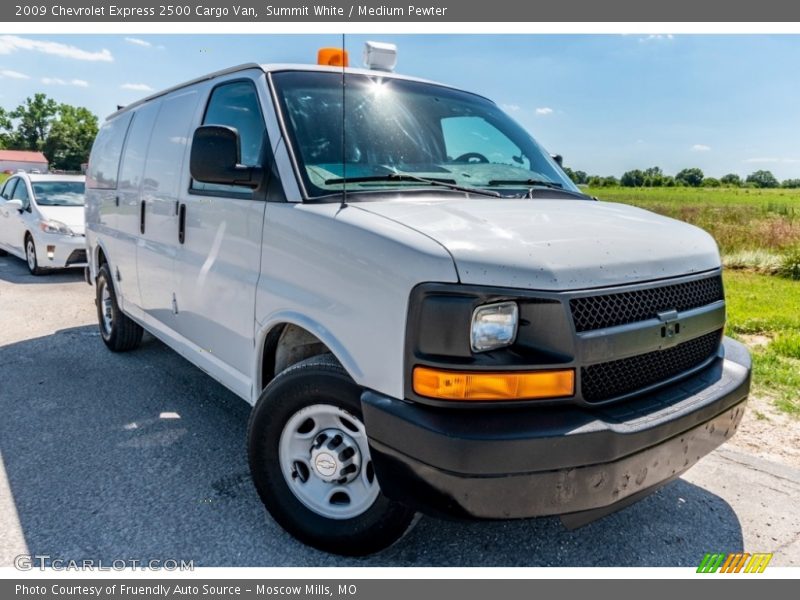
(186, 590)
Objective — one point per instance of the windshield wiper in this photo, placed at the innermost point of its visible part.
(448, 183)
(534, 184)
(529, 182)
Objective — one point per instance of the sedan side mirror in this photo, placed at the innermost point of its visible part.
(559, 159)
(15, 204)
(215, 158)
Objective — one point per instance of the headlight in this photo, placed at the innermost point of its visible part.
(494, 326)
(49, 226)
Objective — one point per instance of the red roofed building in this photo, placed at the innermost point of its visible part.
(14, 160)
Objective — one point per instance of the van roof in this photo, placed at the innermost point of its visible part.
(271, 68)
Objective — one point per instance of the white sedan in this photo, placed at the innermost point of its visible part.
(42, 220)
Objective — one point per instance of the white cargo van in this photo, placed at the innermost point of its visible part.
(424, 311)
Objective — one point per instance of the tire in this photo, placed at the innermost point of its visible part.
(319, 390)
(30, 256)
(118, 331)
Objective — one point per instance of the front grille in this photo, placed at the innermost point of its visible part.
(76, 257)
(609, 380)
(609, 310)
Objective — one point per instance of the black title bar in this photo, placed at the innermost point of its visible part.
(410, 11)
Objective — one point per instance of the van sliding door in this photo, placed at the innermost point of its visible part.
(157, 211)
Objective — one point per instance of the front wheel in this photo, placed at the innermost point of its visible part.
(310, 462)
(118, 331)
(30, 256)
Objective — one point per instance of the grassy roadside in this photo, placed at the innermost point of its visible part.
(764, 313)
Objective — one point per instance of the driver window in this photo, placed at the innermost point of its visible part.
(8, 188)
(21, 193)
(236, 105)
(475, 140)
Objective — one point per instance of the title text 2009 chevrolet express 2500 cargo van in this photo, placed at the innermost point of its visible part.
(424, 311)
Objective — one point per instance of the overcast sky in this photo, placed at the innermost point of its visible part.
(608, 103)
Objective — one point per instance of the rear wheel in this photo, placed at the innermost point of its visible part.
(310, 462)
(30, 256)
(118, 331)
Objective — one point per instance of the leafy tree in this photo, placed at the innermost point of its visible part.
(668, 181)
(70, 138)
(634, 178)
(731, 179)
(610, 181)
(763, 179)
(569, 172)
(654, 177)
(34, 117)
(581, 177)
(791, 183)
(5, 128)
(692, 177)
(710, 182)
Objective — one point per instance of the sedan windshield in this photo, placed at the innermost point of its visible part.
(58, 193)
(399, 133)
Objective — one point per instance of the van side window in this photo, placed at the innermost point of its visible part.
(139, 133)
(104, 160)
(236, 105)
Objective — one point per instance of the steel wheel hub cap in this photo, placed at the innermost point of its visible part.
(324, 458)
(105, 300)
(335, 456)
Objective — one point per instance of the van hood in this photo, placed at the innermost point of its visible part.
(71, 216)
(554, 245)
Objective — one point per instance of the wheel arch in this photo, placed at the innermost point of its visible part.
(289, 338)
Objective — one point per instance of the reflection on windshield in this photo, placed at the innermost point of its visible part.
(58, 193)
(393, 125)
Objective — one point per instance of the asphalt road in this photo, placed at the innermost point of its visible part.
(141, 455)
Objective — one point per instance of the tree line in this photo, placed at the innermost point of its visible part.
(690, 177)
(64, 133)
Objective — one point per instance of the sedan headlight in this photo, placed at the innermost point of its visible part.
(51, 226)
(494, 326)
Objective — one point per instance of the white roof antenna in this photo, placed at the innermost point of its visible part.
(380, 56)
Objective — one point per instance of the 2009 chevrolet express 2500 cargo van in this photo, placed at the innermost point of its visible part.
(462, 333)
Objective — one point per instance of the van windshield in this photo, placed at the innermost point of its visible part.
(58, 193)
(398, 132)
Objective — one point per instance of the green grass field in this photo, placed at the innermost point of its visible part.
(741, 220)
(758, 232)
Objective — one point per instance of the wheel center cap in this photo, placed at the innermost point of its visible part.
(325, 465)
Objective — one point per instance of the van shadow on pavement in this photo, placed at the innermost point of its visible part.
(141, 455)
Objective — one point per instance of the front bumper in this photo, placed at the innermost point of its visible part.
(60, 251)
(514, 463)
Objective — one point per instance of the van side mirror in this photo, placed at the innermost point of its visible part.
(215, 158)
(559, 159)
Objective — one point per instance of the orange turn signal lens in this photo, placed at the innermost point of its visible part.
(508, 385)
(332, 57)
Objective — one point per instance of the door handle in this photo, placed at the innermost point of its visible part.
(141, 217)
(116, 200)
(182, 223)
